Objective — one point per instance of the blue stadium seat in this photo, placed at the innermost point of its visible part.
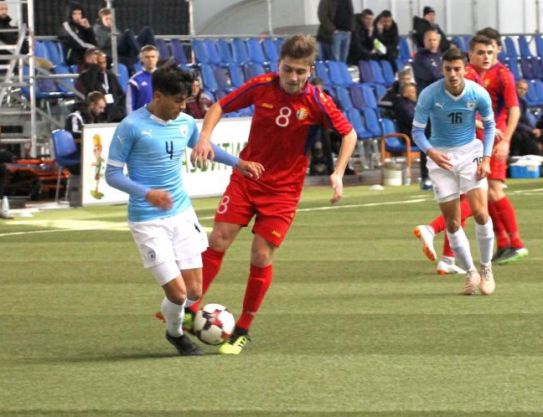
(354, 116)
(163, 48)
(45, 89)
(511, 49)
(339, 73)
(394, 145)
(178, 51)
(65, 85)
(213, 52)
(539, 44)
(342, 95)
(321, 70)
(366, 73)
(270, 49)
(253, 69)
(527, 68)
(256, 54)
(460, 43)
(379, 91)
(362, 96)
(241, 55)
(225, 51)
(371, 120)
(223, 78)
(200, 51)
(237, 77)
(40, 50)
(523, 47)
(123, 75)
(405, 53)
(388, 72)
(209, 82)
(54, 52)
(513, 66)
(377, 72)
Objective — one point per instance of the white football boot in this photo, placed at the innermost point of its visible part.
(446, 266)
(426, 235)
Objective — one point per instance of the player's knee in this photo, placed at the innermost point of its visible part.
(453, 225)
(219, 240)
(177, 297)
(480, 216)
(194, 291)
(261, 257)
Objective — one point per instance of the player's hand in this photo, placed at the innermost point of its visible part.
(250, 169)
(483, 169)
(336, 181)
(499, 135)
(160, 198)
(501, 150)
(84, 22)
(440, 159)
(201, 153)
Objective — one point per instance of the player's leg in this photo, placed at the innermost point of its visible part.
(258, 283)
(506, 214)
(447, 264)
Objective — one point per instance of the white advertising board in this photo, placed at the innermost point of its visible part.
(230, 134)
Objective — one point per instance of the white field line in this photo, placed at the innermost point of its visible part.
(84, 225)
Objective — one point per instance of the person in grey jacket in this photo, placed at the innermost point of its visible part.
(336, 19)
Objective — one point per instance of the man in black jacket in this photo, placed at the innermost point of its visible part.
(98, 78)
(424, 23)
(336, 24)
(386, 31)
(362, 47)
(76, 35)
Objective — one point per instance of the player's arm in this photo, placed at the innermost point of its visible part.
(203, 149)
(422, 113)
(119, 150)
(489, 126)
(348, 143)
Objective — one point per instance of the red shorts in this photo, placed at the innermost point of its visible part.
(498, 169)
(274, 209)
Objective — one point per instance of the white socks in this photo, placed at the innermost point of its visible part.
(485, 241)
(173, 314)
(460, 245)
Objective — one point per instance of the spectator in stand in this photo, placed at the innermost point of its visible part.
(405, 108)
(5, 158)
(425, 23)
(362, 45)
(9, 38)
(140, 88)
(336, 25)
(199, 102)
(427, 69)
(392, 95)
(76, 35)
(527, 139)
(98, 78)
(128, 46)
(91, 111)
(385, 30)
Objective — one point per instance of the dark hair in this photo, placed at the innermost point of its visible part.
(172, 81)
(94, 97)
(300, 47)
(454, 54)
(479, 39)
(385, 13)
(367, 12)
(491, 34)
(427, 10)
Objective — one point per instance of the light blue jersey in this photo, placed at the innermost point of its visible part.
(453, 117)
(153, 151)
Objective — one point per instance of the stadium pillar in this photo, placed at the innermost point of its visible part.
(114, 35)
(270, 22)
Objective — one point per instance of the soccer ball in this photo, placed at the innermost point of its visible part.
(213, 324)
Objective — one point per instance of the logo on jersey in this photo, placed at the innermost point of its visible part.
(146, 133)
(486, 83)
(267, 105)
(439, 105)
(302, 113)
(151, 255)
(470, 105)
(184, 130)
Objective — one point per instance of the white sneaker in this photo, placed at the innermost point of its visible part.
(426, 235)
(446, 266)
(472, 281)
(487, 284)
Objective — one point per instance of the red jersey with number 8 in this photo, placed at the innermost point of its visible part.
(281, 127)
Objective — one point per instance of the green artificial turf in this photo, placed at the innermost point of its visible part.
(356, 322)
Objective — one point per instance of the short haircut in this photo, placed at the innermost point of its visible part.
(300, 46)
(147, 48)
(407, 70)
(431, 30)
(385, 13)
(367, 12)
(454, 54)
(171, 81)
(104, 12)
(479, 39)
(95, 97)
(492, 34)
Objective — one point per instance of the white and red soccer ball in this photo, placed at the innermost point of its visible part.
(213, 324)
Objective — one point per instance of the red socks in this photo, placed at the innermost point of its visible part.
(506, 213)
(212, 261)
(257, 286)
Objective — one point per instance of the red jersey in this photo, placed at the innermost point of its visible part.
(281, 127)
(500, 84)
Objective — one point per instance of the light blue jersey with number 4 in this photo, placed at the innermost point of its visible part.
(452, 117)
(153, 151)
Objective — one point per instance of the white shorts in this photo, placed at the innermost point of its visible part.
(448, 185)
(175, 243)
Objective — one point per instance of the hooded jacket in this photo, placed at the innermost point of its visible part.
(76, 39)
